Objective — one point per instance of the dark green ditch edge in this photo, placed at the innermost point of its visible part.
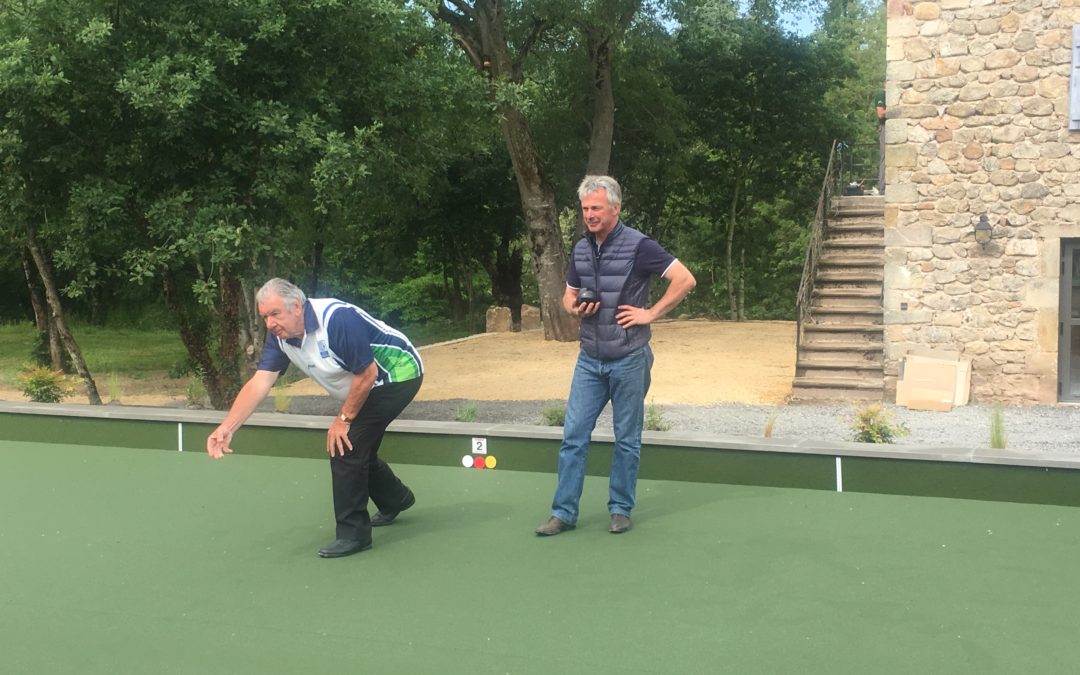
(962, 473)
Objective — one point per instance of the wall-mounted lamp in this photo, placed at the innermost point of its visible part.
(983, 230)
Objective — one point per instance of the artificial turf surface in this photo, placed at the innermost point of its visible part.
(146, 561)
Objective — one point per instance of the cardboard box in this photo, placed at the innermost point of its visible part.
(963, 381)
(927, 383)
(935, 353)
(933, 379)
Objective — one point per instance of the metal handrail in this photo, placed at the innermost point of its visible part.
(829, 185)
(859, 167)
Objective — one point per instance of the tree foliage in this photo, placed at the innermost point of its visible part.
(180, 153)
(757, 130)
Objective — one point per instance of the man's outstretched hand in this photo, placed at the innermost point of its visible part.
(217, 443)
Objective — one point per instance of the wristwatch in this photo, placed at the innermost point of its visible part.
(344, 418)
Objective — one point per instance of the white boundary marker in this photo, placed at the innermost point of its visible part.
(179, 436)
(839, 476)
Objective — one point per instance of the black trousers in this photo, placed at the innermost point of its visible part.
(360, 475)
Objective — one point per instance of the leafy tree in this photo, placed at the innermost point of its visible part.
(498, 49)
(857, 29)
(755, 97)
(38, 151)
(601, 26)
(195, 146)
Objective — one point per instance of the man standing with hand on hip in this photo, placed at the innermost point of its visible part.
(371, 368)
(607, 288)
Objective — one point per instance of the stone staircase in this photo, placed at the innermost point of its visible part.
(841, 348)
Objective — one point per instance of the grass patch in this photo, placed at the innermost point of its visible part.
(281, 397)
(770, 424)
(435, 331)
(467, 412)
(116, 392)
(121, 351)
(998, 437)
(555, 416)
(654, 419)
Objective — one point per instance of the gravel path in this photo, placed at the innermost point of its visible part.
(1043, 429)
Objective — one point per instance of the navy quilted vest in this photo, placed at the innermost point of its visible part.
(609, 275)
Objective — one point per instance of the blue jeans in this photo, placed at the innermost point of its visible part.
(624, 382)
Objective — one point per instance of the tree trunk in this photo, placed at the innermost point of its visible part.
(602, 132)
(729, 259)
(46, 327)
(505, 274)
(463, 269)
(316, 263)
(453, 294)
(195, 342)
(742, 284)
(52, 297)
(542, 227)
(480, 30)
(602, 124)
(600, 38)
(729, 264)
(230, 355)
(251, 333)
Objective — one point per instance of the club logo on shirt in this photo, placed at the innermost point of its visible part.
(324, 349)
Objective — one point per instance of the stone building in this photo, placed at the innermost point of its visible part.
(978, 124)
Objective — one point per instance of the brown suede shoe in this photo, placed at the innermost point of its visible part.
(619, 524)
(553, 526)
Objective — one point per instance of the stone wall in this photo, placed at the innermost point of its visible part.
(977, 123)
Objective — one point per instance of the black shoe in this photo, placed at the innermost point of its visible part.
(339, 548)
(554, 526)
(619, 523)
(387, 517)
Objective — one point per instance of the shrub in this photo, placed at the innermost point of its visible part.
(998, 439)
(555, 416)
(44, 385)
(654, 419)
(467, 412)
(196, 393)
(874, 424)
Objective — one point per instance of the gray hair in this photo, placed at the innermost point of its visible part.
(593, 183)
(286, 290)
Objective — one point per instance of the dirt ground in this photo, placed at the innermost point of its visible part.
(698, 362)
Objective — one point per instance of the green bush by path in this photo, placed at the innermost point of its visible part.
(467, 412)
(874, 424)
(555, 416)
(42, 385)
